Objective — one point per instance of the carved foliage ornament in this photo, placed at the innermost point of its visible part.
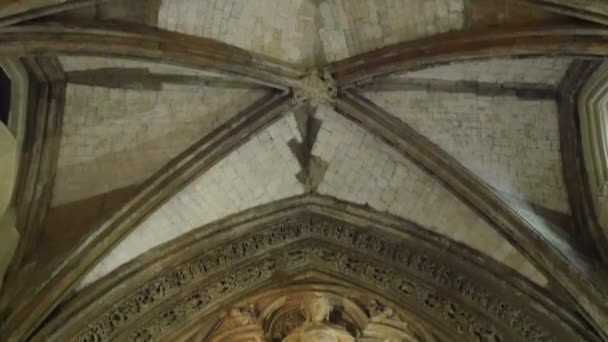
(402, 270)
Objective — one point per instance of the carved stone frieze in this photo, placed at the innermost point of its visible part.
(438, 289)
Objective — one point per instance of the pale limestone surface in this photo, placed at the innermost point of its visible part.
(544, 70)
(260, 171)
(510, 143)
(299, 30)
(114, 138)
(8, 167)
(81, 63)
(281, 29)
(364, 170)
(352, 27)
(9, 236)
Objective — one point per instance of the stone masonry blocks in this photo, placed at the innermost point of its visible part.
(113, 138)
(352, 27)
(80, 63)
(281, 29)
(511, 144)
(246, 178)
(364, 170)
(542, 70)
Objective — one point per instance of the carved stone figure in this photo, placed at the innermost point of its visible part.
(386, 326)
(239, 324)
(378, 311)
(316, 328)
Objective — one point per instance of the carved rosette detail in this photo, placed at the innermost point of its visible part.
(318, 87)
(402, 271)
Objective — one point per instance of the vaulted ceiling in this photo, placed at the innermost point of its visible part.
(151, 124)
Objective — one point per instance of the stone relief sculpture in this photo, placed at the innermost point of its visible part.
(239, 324)
(316, 328)
(340, 274)
(386, 326)
(316, 323)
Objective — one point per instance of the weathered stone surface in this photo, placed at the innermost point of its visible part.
(542, 70)
(9, 236)
(364, 170)
(189, 282)
(510, 143)
(352, 27)
(8, 167)
(260, 171)
(114, 138)
(281, 29)
(81, 63)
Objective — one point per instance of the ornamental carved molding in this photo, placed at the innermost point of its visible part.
(448, 291)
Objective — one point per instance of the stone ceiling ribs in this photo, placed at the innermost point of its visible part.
(542, 245)
(144, 43)
(162, 186)
(592, 10)
(520, 90)
(579, 193)
(47, 88)
(474, 44)
(143, 79)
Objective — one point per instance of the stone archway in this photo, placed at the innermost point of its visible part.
(456, 292)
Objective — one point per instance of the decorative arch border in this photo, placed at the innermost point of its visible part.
(467, 293)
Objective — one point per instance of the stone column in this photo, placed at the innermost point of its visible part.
(8, 175)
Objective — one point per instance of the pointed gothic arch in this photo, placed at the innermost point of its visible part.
(458, 290)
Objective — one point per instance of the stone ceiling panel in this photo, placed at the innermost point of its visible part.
(546, 71)
(260, 171)
(364, 170)
(280, 29)
(353, 27)
(510, 143)
(82, 63)
(113, 138)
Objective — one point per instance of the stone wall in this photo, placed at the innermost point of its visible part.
(294, 30)
(281, 29)
(261, 171)
(510, 143)
(81, 63)
(114, 138)
(528, 70)
(364, 170)
(352, 27)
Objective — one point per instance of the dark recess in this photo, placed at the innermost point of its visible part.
(5, 97)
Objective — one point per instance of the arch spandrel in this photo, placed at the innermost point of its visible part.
(458, 291)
